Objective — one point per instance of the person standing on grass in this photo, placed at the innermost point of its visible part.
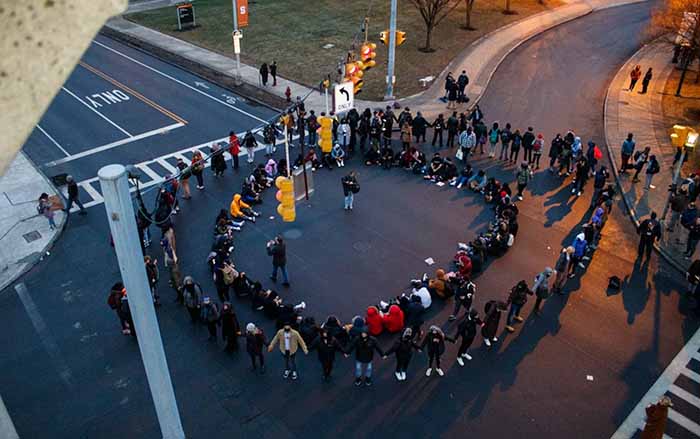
(649, 231)
(234, 148)
(646, 81)
(288, 341)
(278, 250)
(273, 72)
(350, 188)
(626, 152)
(254, 344)
(263, 74)
(653, 168)
(44, 208)
(73, 196)
(635, 74)
(541, 287)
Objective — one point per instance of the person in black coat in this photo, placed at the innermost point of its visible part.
(403, 348)
(466, 330)
(278, 250)
(414, 315)
(438, 126)
(364, 347)
(326, 346)
(418, 127)
(463, 298)
(649, 231)
(263, 73)
(435, 342)
(492, 318)
(230, 328)
(255, 343)
(309, 330)
(555, 150)
(335, 329)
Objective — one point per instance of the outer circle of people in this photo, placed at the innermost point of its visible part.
(370, 135)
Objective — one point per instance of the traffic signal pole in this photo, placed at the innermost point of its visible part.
(392, 53)
(122, 224)
(235, 30)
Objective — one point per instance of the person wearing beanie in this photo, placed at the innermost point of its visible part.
(435, 342)
(492, 318)
(326, 346)
(466, 330)
(403, 347)
(210, 316)
(288, 341)
(364, 347)
(230, 328)
(254, 343)
(541, 287)
(579, 246)
(517, 299)
(537, 148)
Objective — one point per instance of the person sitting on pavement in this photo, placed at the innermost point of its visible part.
(393, 320)
(249, 196)
(387, 157)
(436, 168)
(463, 177)
(271, 168)
(239, 209)
(312, 157)
(421, 291)
(438, 285)
(477, 182)
(338, 155)
(374, 321)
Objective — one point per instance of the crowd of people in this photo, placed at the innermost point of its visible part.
(370, 134)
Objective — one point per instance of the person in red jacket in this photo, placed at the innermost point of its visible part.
(464, 264)
(234, 148)
(393, 320)
(374, 321)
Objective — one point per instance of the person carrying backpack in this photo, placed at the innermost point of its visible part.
(494, 134)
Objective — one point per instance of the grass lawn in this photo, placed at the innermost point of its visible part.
(293, 32)
(683, 110)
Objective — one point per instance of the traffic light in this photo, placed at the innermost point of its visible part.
(400, 37)
(325, 134)
(285, 195)
(384, 36)
(353, 73)
(367, 55)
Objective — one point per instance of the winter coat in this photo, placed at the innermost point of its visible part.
(464, 263)
(403, 348)
(628, 147)
(295, 341)
(229, 324)
(394, 320)
(357, 327)
(349, 183)
(541, 285)
(326, 348)
(278, 251)
(374, 321)
(528, 140)
(424, 295)
(414, 314)
(254, 342)
(234, 145)
(210, 313)
(491, 320)
(419, 125)
(650, 230)
(237, 205)
(563, 262)
(579, 245)
(467, 327)
(438, 284)
(518, 294)
(193, 298)
(435, 342)
(364, 348)
(271, 168)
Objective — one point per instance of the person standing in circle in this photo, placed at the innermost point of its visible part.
(350, 188)
(278, 250)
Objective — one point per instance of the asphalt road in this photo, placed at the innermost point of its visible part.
(534, 383)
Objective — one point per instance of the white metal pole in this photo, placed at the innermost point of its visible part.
(235, 29)
(286, 152)
(327, 109)
(7, 428)
(122, 224)
(392, 52)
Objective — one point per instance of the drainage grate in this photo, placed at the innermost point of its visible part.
(31, 236)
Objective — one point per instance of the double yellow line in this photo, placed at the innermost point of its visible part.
(136, 94)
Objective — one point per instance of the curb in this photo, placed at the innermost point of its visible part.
(631, 212)
(57, 233)
(248, 91)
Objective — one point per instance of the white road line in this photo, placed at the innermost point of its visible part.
(171, 169)
(96, 112)
(44, 333)
(180, 82)
(689, 397)
(635, 420)
(148, 171)
(53, 140)
(113, 145)
(683, 421)
(92, 192)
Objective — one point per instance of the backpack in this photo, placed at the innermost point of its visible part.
(596, 153)
(493, 136)
(636, 155)
(230, 274)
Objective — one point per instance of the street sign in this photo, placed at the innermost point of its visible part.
(343, 97)
(242, 12)
(185, 16)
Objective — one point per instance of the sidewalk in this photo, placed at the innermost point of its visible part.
(640, 114)
(24, 234)
(480, 59)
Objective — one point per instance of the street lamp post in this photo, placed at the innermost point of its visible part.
(236, 49)
(392, 53)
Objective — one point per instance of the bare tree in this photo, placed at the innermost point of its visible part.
(433, 12)
(468, 6)
(677, 22)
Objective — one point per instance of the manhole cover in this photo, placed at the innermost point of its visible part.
(292, 234)
(31, 236)
(361, 246)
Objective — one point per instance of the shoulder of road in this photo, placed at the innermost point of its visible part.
(480, 59)
(641, 114)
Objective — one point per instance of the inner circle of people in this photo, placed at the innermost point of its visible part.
(367, 136)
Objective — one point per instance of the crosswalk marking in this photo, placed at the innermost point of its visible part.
(666, 385)
(155, 178)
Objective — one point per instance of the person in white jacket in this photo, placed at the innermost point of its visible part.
(344, 133)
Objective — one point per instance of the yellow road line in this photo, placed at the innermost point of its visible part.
(136, 94)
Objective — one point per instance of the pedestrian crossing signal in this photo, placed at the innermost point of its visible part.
(400, 37)
(285, 195)
(367, 55)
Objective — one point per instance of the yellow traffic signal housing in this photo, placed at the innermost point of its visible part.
(384, 36)
(400, 37)
(367, 55)
(325, 134)
(285, 195)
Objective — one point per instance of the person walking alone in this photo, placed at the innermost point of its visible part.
(541, 287)
(273, 72)
(635, 74)
(73, 196)
(646, 81)
(289, 342)
(350, 188)
(649, 231)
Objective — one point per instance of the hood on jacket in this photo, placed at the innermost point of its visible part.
(440, 274)
(581, 237)
(188, 280)
(548, 271)
(407, 333)
(394, 311)
(372, 312)
(358, 322)
(237, 198)
(434, 328)
(250, 327)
